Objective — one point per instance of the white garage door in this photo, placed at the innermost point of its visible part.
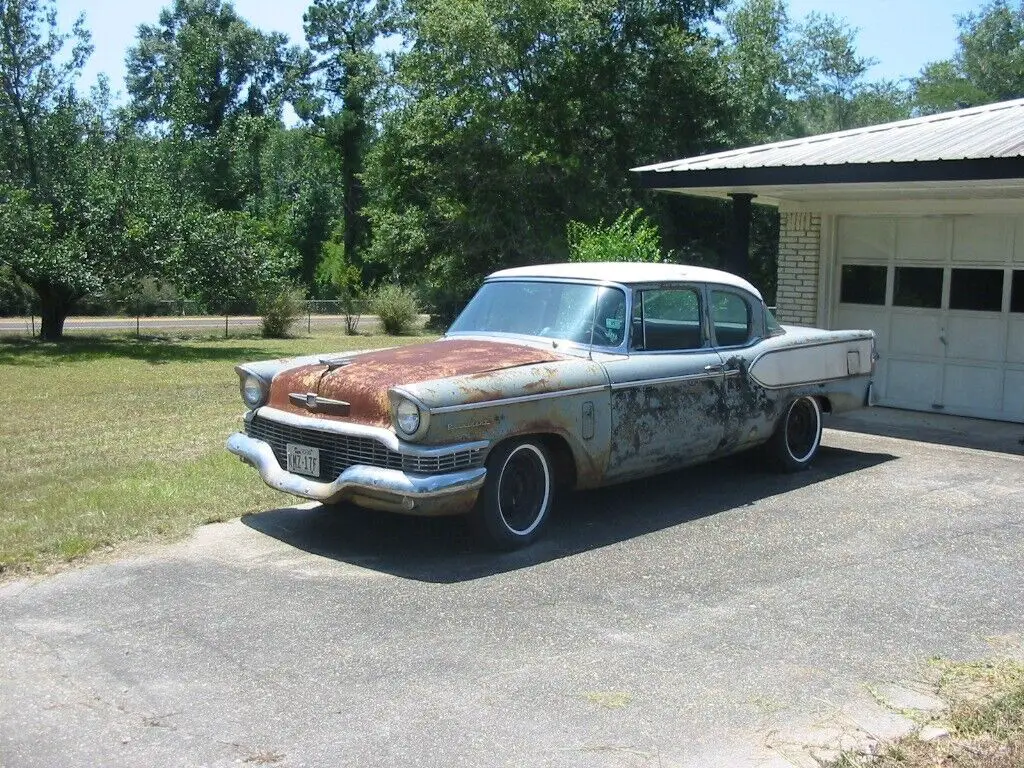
(945, 294)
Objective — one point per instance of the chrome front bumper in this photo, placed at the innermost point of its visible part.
(367, 486)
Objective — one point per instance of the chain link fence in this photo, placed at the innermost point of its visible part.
(184, 314)
(181, 314)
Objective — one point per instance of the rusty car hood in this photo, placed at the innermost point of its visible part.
(363, 380)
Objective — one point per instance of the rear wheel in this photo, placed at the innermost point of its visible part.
(798, 436)
(517, 495)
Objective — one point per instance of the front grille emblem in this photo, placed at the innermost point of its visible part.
(311, 401)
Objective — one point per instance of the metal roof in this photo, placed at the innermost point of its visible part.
(626, 273)
(989, 132)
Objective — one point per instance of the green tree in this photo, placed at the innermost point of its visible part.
(988, 65)
(832, 74)
(97, 225)
(348, 84)
(793, 78)
(762, 64)
(35, 73)
(520, 115)
(214, 86)
(302, 195)
(66, 185)
(224, 258)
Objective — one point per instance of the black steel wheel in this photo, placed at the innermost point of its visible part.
(797, 437)
(517, 495)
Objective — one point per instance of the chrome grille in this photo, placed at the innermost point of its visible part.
(339, 452)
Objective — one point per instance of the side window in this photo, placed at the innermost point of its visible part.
(666, 319)
(731, 318)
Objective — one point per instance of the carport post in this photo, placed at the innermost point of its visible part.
(738, 258)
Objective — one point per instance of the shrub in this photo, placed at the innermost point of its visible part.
(631, 238)
(342, 279)
(396, 307)
(280, 308)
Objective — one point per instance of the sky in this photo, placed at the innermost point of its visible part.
(902, 35)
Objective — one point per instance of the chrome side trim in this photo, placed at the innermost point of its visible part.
(806, 345)
(354, 480)
(385, 436)
(565, 346)
(703, 349)
(807, 383)
(666, 380)
(519, 399)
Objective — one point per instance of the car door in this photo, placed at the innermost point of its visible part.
(737, 332)
(667, 396)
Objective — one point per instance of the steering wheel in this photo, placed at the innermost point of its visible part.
(599, 334)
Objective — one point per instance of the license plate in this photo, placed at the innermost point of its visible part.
(303, 459)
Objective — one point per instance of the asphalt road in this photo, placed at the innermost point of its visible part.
(721, 616)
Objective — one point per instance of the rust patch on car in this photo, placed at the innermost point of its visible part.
(364, 382)
(301, 380)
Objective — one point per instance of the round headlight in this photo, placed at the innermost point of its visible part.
(408, 417)
(253, 391)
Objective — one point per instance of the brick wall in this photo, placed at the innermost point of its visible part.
(799, 249)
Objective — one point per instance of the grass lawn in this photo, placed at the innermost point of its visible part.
(110, 438)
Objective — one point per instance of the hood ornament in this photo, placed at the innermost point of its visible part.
(311, 401)
(334, 363)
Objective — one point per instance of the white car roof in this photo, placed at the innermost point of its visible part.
(628, 273)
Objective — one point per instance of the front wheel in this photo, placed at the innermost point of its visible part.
(517, 495)
(798, 436)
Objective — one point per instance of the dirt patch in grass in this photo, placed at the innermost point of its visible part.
(111, 439)
(983, 726)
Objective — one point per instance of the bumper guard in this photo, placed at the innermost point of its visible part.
(374, 487)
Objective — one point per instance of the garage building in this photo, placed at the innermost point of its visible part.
(914, 229)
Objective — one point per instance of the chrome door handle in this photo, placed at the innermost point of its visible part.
(715, 368)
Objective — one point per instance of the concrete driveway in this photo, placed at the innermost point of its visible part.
(721, 616)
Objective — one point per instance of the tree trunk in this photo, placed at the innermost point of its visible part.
(54, 307)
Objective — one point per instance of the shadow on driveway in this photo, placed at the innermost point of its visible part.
(936, 428)
(442, 550)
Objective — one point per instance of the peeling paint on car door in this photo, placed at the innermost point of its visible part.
(666, 410)
(668, 396)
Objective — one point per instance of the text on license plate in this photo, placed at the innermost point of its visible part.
(303, 459)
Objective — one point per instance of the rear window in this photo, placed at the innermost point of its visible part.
(731, 318)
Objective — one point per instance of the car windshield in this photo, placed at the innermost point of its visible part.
(573, 311)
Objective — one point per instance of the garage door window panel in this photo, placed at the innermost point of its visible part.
(1015, 344)
(863, 284)
(979, 290)
(1017, 292)
(919, 287)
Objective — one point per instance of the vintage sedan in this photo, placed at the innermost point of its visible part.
(554, 376)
